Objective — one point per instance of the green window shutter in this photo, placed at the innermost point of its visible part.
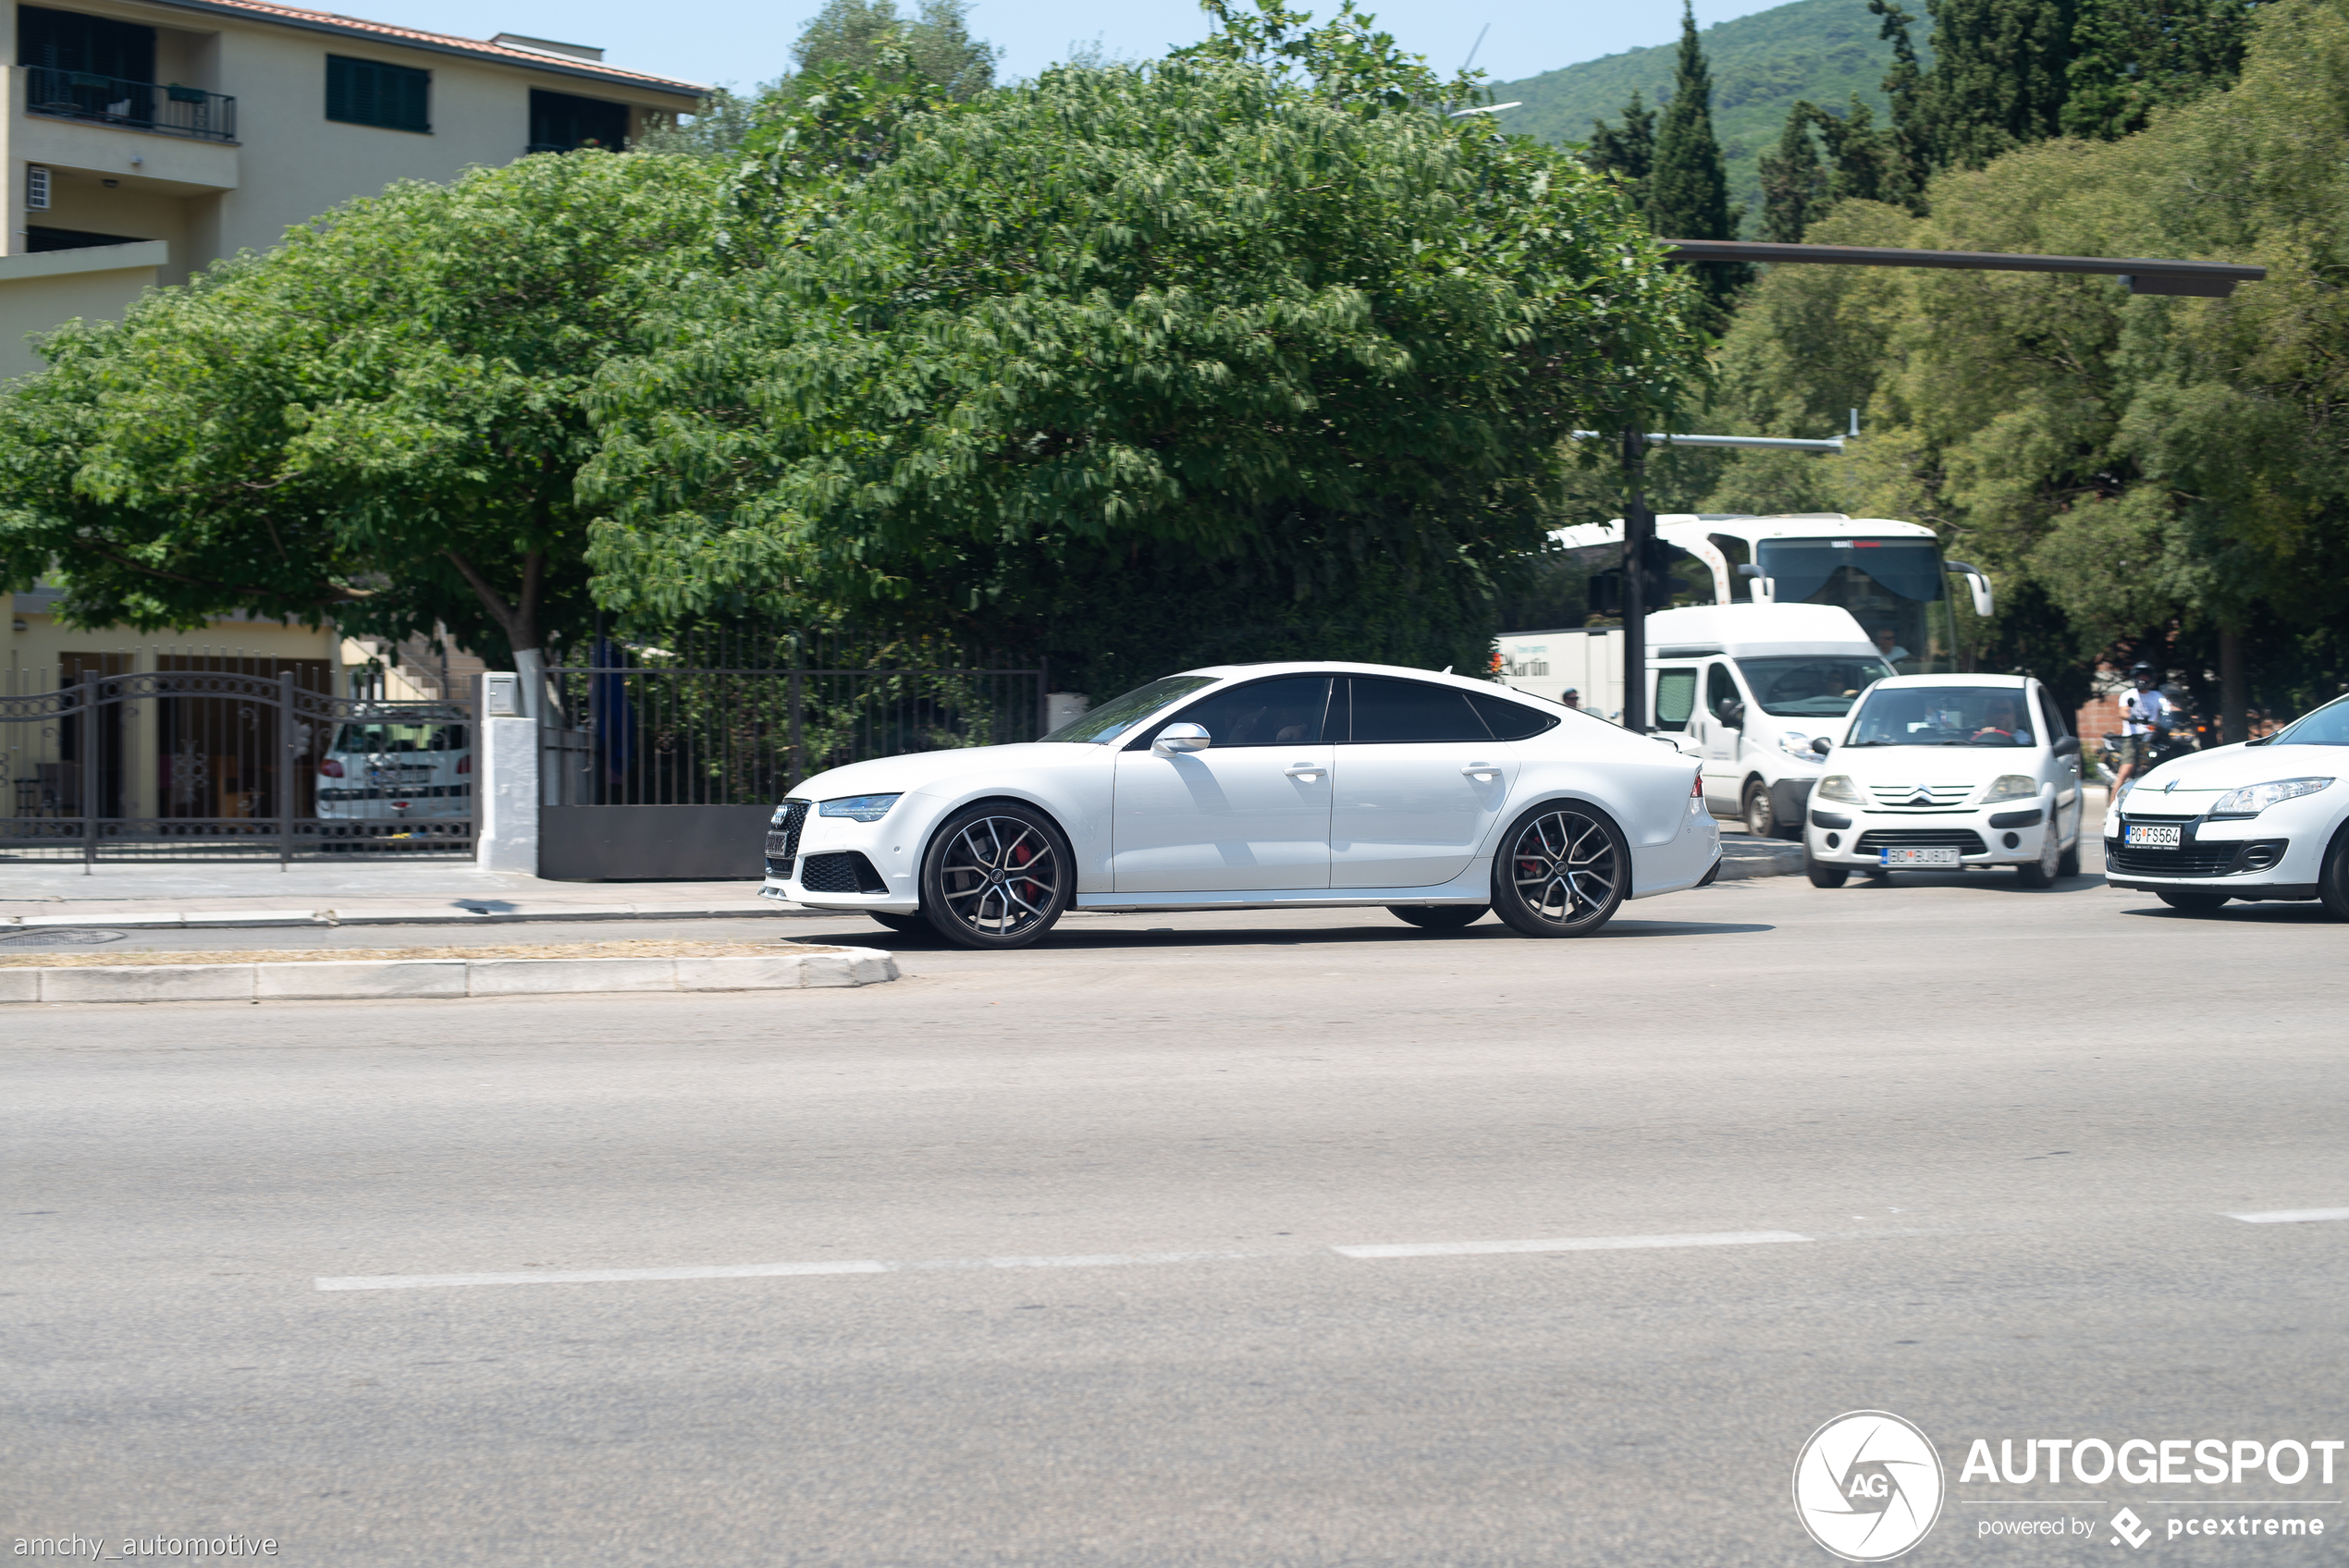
(371, 92)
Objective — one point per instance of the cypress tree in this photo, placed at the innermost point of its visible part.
(1689, 193)
(1629, 153)
(1908, 158)
(2001, 70)
(1794, 187)
(2133, 56)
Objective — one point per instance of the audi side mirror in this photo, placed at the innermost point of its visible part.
(2067, 747)
(1822, 746)
(1177, 738)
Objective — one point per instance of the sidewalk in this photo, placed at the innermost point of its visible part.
(227, 893)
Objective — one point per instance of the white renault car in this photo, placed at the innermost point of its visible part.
(1942, 772)
(1269, 786)
(2268, 819)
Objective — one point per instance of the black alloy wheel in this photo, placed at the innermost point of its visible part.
(1439, 918)
(904, 925)
(997, 876)
(2190, 903)
(2333, 877)
(1563, 871)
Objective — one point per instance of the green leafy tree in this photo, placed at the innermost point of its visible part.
(378, 424)
(1689, 193)
(1794, 184)
(1245, 353)
(855, 35)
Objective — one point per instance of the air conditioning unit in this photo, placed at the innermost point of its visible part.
(36, 188)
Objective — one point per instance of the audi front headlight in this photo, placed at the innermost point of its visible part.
(2253, 799)
(1838, 787)
(859, 808)
(2011, 786)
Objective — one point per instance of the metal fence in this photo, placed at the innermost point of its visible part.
(740, 717)
(169, 109)
(208, 758)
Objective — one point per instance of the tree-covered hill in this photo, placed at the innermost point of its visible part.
(1823, 49)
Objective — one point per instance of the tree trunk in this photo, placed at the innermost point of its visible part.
(2234, 699)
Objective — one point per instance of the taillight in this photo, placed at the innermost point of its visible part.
(465, 762)
(330, 769)
(1696, 787)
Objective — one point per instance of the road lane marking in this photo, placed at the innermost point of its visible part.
(1569, 1243)
(591, 1276)
(2290, 1216)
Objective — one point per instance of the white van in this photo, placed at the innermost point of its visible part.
(1944, 771)
(1753, 689)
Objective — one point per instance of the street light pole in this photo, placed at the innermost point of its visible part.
(1638, 530)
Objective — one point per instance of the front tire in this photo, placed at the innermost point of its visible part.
(2069, 864)
(2190, 903)
(1439, 918)
(997, 876)
(2333, 881)
(1826, 875)
(1761, 815)
(1563, 871)
(2043, 872)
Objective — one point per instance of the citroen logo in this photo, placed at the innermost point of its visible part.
(2169, 787)
(1922, 798)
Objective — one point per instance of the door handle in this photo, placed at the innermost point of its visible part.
(1481, 770)
(1306, 770)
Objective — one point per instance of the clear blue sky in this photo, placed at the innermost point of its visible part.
(732, 41)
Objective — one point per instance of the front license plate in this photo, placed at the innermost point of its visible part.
(1926, 855)
(2152, 835)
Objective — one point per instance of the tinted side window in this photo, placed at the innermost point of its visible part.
(1391, 711)
(1719, 686)
(1675, 698)
(1508, 720)
(1288, 711)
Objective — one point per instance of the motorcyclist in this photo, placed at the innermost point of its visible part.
(2145, 714)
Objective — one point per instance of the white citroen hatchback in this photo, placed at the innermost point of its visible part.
(1272, 786)
(1943, 772)
(2268, 819)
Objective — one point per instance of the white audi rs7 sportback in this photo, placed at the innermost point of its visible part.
(1267, 786)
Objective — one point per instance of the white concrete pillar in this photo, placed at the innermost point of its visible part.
(506, 793)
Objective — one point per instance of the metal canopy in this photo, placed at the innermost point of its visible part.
(2210, 280)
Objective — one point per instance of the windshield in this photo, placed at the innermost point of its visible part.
(1811, 688)
(1115, 717)
(1893, 588)
(2329, 725)
(1942, 715)
(380, 736)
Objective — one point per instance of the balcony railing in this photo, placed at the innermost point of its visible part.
(171, 110)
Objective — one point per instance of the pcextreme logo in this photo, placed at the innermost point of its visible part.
(1869, 1486)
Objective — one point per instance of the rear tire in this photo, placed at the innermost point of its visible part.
(904, 925)
(997, 876)
(1439, 918)
(2190, 903)
(1562, 871)
(1761, 815)
(1826, 875)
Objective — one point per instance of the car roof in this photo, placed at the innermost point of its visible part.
(1341, 667)
(2015, 682)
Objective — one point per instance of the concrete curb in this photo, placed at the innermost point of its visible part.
(336, 980)
(445, 914)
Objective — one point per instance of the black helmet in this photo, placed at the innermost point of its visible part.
(2141, 668)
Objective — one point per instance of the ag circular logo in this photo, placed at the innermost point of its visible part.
(1869, 1486)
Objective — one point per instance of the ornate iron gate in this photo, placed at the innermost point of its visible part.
(209, 764)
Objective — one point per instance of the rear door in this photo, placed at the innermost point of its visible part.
(1248, 814)
(1421, 782)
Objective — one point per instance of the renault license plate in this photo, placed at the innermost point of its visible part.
(2152, 835)
(1920, 854)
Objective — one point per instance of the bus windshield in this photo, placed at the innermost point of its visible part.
(1893, 587)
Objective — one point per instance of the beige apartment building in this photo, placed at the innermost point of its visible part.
(146, 139)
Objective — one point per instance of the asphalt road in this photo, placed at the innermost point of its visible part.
(1961, 1152)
